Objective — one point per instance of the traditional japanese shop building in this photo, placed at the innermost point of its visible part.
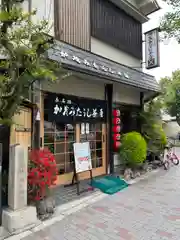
(99, 44)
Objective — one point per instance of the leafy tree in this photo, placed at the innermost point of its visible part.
(169, 98)
(152, 127)
(23, 45)
(170, 23)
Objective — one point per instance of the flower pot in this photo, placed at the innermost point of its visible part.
(45, 207)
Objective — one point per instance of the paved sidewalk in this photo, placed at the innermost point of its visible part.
(149, 210)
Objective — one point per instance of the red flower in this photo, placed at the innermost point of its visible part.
(42, 173)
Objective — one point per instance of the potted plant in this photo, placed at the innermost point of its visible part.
(42, 175)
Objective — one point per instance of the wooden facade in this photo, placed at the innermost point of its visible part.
(72, 22)
(77, 20)
(113, 26)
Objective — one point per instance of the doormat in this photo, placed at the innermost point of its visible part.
(109, 184)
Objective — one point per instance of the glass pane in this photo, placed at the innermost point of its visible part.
(59, 139)
(94, 136)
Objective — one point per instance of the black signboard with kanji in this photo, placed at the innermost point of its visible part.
(68, 109)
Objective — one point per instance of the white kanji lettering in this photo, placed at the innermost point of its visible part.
(84, 112)
(57, 109)
(63, 100)
(65, 112)
(88, 113)
(57, 100)
(69, 102)
(95, 113)
(78, 112)
(72, 111)
(101, 113)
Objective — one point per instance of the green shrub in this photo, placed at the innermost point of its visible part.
(152, 131)
(133, 149)
(156, 139)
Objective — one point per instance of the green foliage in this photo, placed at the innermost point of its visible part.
(133, 149)
(170, 23)
(152, 129)
(169, 87)
(24, 45)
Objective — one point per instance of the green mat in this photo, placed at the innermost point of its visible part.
(109, 184)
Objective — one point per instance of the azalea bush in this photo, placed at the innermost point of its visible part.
(42, 173)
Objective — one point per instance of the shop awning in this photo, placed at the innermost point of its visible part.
(76, 59)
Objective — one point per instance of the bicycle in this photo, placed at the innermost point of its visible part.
(169, 156)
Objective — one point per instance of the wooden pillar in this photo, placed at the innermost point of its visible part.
(142, 101)
(109, 98)
(141, 109)
(36, 140)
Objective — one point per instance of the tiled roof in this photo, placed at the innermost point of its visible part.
(80, 60)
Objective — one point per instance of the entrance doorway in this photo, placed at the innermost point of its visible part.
(59, 138)
(69, 119)
(96, 136)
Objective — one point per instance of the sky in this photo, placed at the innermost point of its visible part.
(169, 53)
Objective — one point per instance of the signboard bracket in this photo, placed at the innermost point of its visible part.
(75, 180)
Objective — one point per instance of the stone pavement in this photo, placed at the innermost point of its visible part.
(148, 210)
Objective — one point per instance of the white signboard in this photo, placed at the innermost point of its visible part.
(152, 49)
(82, 157)
(87, 128)
(82, 128)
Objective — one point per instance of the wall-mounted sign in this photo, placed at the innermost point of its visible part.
(67, 109)
(152, 59)
(87, 128)
(22, 129)
(82, 128)
(116, 129)
(82, 157)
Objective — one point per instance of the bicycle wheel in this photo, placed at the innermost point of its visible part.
(166, 165)
(175, 161)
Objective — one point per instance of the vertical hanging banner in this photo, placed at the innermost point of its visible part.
(116, 129)
(152, 58)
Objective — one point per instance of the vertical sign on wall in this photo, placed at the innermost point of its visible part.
(116, 129)
(152, 59)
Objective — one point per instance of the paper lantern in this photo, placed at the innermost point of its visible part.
(116, 121)
(116, 137)
(116, 129)
(117, 145)
(116, 113)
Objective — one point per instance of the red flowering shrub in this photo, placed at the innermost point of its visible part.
(42, 173)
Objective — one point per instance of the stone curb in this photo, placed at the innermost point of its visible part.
(72, 207)
(145, 176)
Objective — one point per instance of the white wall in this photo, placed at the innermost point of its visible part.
(93, 89)
(171, 129)
(45, 10)
(126, 94)
(77, 87)
(114, 54)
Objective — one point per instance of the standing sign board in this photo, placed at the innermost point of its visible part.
(82, 157)
(82, 163)
(152, 59)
